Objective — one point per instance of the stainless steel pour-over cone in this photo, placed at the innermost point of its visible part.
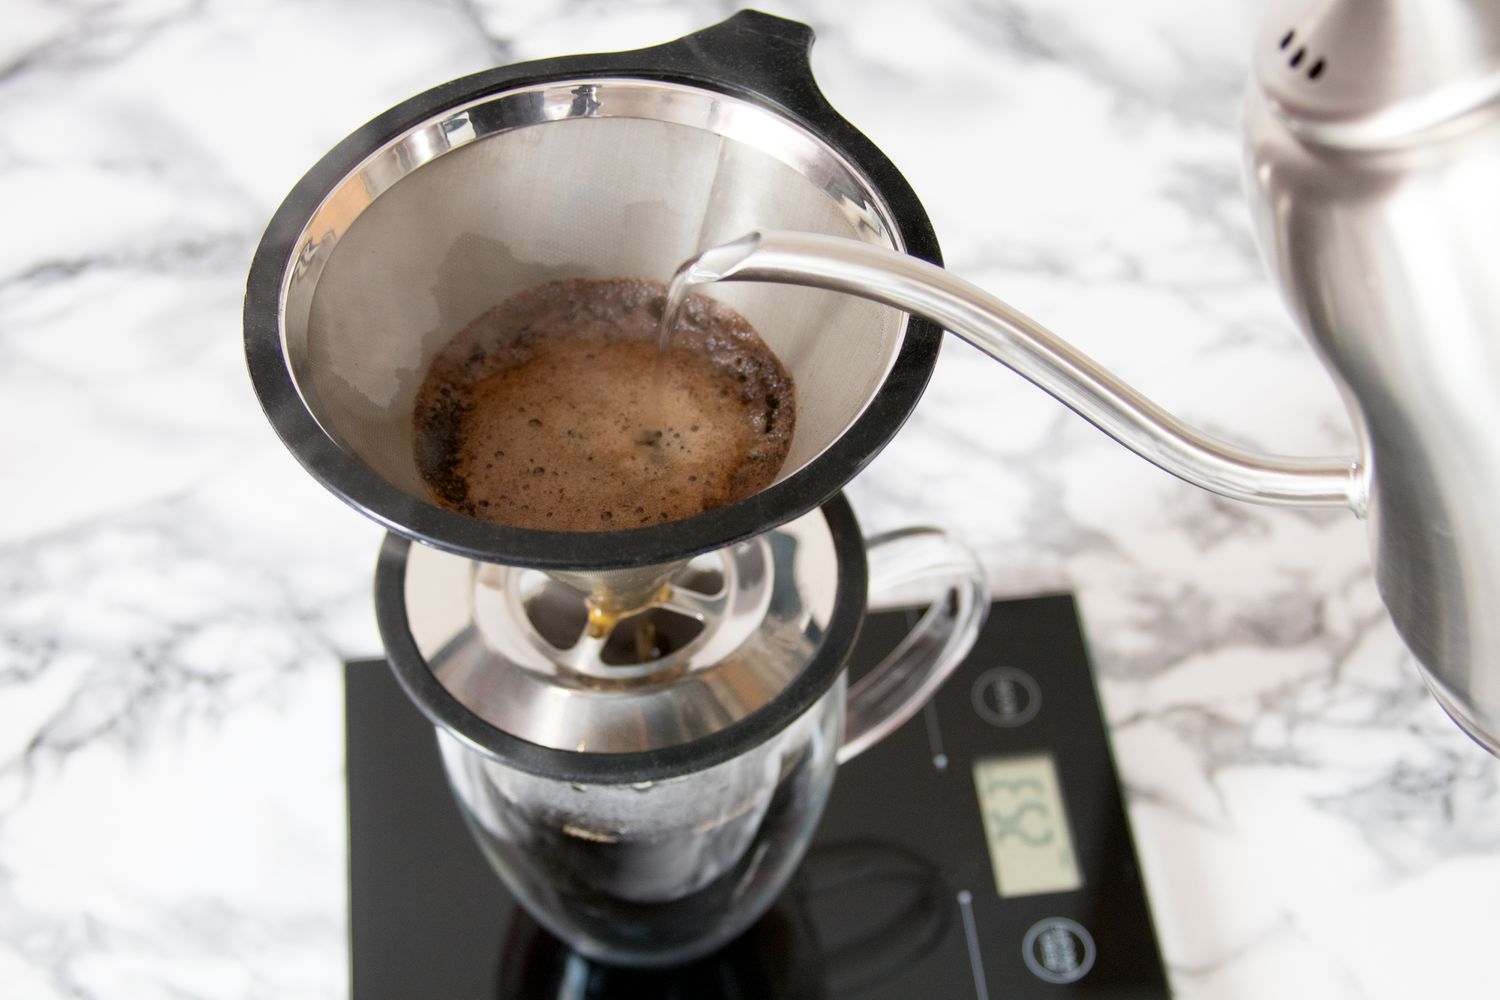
(604, 166)
(609, 166)
(645, 792)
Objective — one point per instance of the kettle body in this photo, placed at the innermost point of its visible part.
(1374, 185)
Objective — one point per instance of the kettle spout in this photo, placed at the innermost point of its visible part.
(1026, 347)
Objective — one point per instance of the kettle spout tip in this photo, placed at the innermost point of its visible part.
(719, 262)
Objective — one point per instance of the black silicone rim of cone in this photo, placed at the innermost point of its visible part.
(752, 56)
(449, 714)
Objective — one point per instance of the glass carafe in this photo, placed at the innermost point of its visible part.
(650, 819)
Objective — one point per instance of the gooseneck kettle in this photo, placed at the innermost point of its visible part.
(1373, 155)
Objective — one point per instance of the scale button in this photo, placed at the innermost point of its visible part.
(1058, 950)
(1006, 696)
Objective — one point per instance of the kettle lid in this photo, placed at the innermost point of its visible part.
(1374, 74)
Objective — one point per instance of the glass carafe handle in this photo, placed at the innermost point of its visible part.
(900, 684)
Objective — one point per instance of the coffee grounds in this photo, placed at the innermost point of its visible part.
(557, 410)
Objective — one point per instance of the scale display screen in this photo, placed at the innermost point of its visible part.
(1025, 825)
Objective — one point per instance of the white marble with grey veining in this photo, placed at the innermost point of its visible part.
(176, 595)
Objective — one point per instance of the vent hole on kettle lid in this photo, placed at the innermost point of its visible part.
(1286, 39)
(1316, 70)
(1297, 58)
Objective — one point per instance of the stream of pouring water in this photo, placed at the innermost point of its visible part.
(688, 276)
(683, 282)
(677, 293)
(700, 269)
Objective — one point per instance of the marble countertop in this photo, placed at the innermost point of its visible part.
(178, 594)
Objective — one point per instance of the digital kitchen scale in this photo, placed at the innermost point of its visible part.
(981, 851)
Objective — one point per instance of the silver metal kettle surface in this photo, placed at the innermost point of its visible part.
(1373, 134)
(1373, 145)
